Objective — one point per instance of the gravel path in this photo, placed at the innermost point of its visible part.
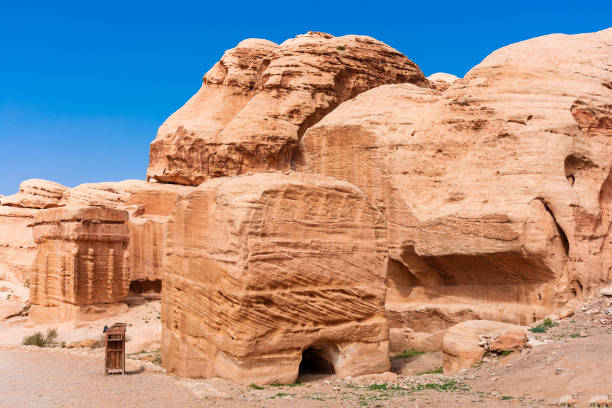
(43, 379)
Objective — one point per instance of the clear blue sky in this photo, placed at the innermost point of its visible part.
(84, 85)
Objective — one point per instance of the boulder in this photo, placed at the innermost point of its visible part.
(266, 272)
(497, 191)
(462, 343)
(401, 339)
(509, 340)
(259, 99)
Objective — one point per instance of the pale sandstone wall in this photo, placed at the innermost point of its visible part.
(258, 100)
(261, 267)
(149, 205)
(17, 248)
(81, 260)
(497, 191)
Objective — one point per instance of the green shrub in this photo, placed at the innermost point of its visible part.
(434, 371)
(341, 48)
(256, 387)
(541, 328)
(548, 323)
(295, 384)
(37, 339)
(538, 329)
(408, 354)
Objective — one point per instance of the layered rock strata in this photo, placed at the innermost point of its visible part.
(497, 191)
(265, 271)
(259, 99)
(149, 205)
(17, 247)
(81, 262)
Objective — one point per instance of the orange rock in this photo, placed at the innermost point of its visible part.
(462, 344)
(88, 343)
(81, 260)
(498, 191)
(258, 100)
(264, 270)
(514, 339)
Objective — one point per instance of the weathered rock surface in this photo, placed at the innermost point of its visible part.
(35, 193)
(149, 206)
(404, 338)
(498, 191)
(17, 248)
(462, 343)
(81, 260)
(441, 81)
(266, 270)
(258, 100)
(509, 340)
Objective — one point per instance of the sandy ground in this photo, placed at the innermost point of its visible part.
(143, 330)
(574, 357)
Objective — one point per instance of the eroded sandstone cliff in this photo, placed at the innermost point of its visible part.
(259, 99)
(82, 261)
(264, 269)
(497, 190)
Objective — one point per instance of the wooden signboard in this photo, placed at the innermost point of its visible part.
(114, 355)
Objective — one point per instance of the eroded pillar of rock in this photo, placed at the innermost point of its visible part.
(82, 266)
(266, 270)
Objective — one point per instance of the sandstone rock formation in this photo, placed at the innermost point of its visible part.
(462, 344)
(265, 270)
(259, 99)
(17, 247)
(81, 261)
(424, 203)
(497, 191)
(442, 81)
(149, 206)
(35, 193)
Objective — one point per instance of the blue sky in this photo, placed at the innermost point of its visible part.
(85, 85)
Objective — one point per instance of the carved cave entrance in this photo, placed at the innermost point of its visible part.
(318, 360)
(146, 286)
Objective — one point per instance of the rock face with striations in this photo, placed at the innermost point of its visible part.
(82, 262)
(268, 270)
(498, 191)
(259, 99)
(149, 206)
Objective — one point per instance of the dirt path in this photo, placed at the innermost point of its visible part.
(573, 357)
(44, 379)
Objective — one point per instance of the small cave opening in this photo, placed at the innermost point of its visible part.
(317, 361)
(146, 286)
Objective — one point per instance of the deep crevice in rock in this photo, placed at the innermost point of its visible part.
(562, 235)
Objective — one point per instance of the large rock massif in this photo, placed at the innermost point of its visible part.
(261, 268)
(259, 99)
(497, 191)
(418, 203)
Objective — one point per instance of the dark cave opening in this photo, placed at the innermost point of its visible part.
(146, 286)
(316, 360)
